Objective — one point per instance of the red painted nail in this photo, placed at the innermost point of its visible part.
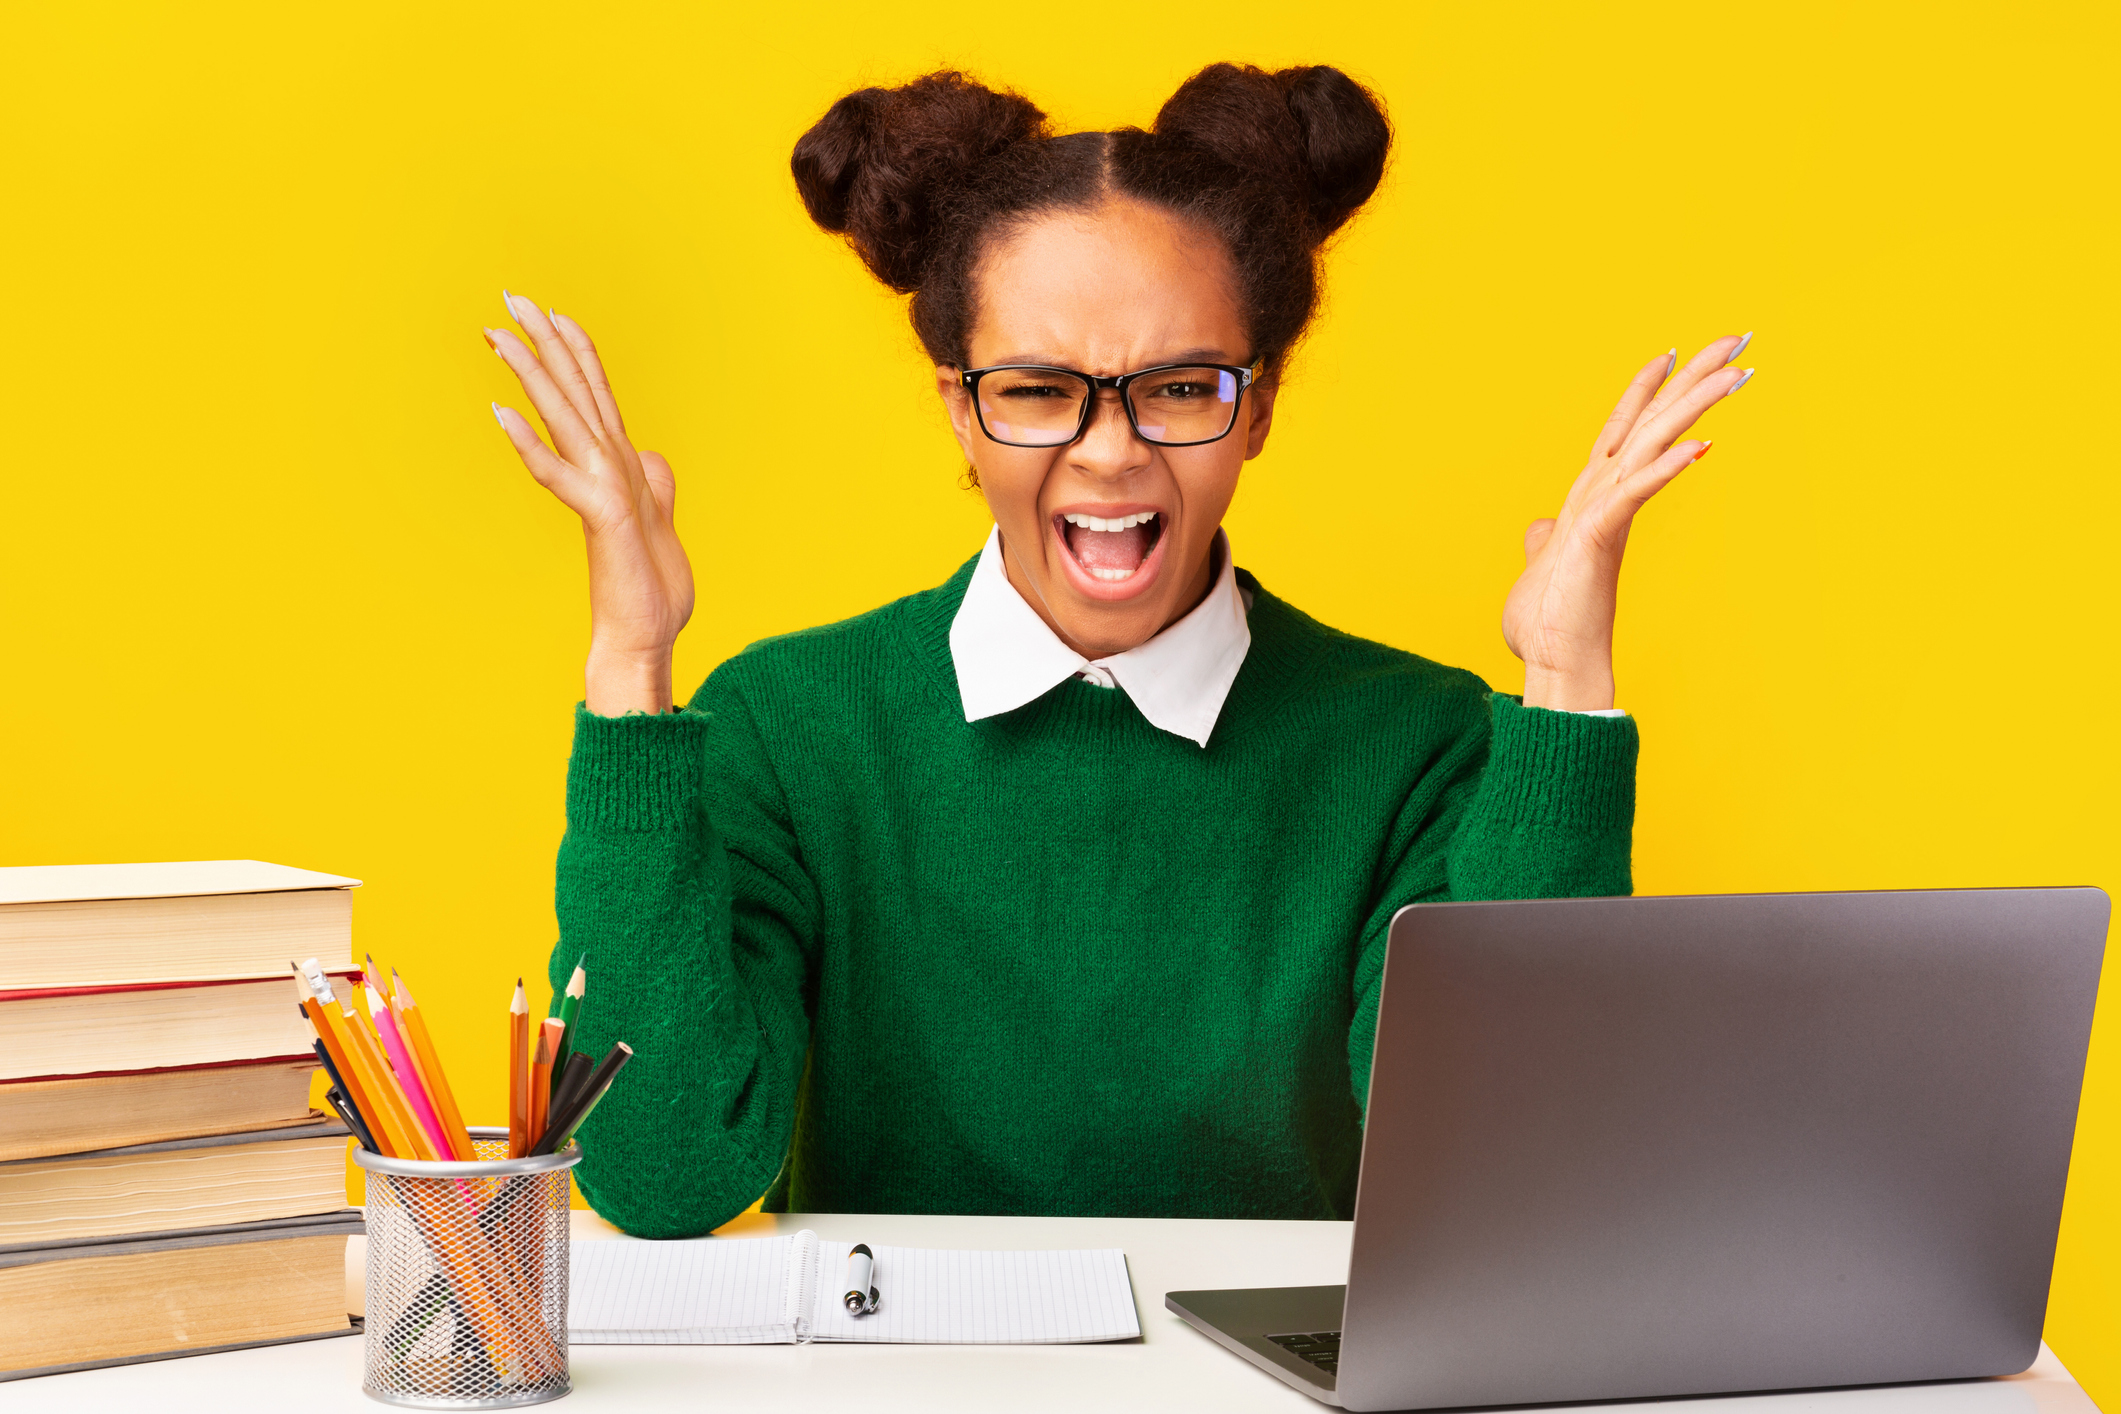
(1703, 452)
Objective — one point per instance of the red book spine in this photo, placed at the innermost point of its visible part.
(25, 994)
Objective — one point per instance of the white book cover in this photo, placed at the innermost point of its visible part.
(67, 883)
(774, 1290)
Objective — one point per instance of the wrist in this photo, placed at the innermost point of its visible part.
(1568, 691)
(615, 682)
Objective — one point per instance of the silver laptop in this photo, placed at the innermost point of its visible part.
(1632, 1147)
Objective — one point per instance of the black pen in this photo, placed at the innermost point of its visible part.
(862, 1295)
(341, 1099)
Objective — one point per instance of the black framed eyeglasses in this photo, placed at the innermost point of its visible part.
(1171, 405)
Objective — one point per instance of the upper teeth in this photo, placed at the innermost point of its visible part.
(1116, 523)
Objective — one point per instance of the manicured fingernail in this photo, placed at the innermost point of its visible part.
(491, 342)
(1743, 379)
(1671, 361)
(559, 320)
(497, 415)
(508, 302)
(1740, 349)
(1704, 450)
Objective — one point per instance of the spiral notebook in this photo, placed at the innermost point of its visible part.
(777, 1290)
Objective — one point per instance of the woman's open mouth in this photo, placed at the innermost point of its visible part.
(1111, 556)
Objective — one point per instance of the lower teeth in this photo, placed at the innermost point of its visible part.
(1112, 576)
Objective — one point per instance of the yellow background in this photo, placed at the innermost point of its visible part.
(274, 586)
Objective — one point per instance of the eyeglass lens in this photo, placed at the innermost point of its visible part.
(1039, 407)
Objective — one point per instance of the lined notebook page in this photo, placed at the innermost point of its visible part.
(711, 1291)
(750, 1291)
(931, 1296)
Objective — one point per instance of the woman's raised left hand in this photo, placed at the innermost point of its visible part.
(1559, 616)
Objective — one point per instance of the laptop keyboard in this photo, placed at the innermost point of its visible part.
(1320, 1348)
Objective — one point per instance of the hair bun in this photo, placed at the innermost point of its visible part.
(1312, 130)
(883, 163)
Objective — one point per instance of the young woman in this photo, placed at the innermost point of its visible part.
(1061, 887)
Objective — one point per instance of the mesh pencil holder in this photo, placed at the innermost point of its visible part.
(467, 1278)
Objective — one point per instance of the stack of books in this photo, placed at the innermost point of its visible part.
(165, 1187)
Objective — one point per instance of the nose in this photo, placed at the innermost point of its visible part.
(1109, 448)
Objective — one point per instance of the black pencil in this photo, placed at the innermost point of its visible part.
(560, 1126)
(564, 1094)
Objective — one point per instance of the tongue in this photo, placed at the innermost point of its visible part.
(1109, 549)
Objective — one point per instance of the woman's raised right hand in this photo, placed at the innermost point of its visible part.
(640, 583)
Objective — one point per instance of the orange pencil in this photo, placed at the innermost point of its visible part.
(391, 1138)
(406, 1142)
(549, 1034)
(429, 1063)
(519, 1137)
(381, 1080)
(406, 1071)
(330, 1037)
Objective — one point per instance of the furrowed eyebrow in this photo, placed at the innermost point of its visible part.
(1197, 356)
(1047, 360)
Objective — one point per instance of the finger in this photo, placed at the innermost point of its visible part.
(1536, 536)
(566, 482)
(1659, 430)
(570, 433)
(1717, 355)
(585, 356)
(1640, 390)
(662, 481)
(1613, 513)
(556, 356)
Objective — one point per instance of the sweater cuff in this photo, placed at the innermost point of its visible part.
(1566, 768)
(635, 773)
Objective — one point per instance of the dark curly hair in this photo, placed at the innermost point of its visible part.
(919, 178)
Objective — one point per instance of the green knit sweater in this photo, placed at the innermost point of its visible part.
(874, 958)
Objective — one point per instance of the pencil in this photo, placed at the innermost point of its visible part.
(557, 1140)
(407, 1074)
(399, 1132)
(519, 1135)
(573, 1076)
(414, 1024)
(335, 1051)
(550, 1032)
(570, 1019)
(584, 1100)
(383, 1084)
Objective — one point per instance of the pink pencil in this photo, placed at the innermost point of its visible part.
(408, 1074)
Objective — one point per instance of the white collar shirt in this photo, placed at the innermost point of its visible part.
(1006, 656)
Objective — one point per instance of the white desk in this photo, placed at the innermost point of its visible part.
(1172, 1368)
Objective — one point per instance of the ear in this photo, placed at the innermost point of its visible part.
(950, 386)
(1261, 396)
